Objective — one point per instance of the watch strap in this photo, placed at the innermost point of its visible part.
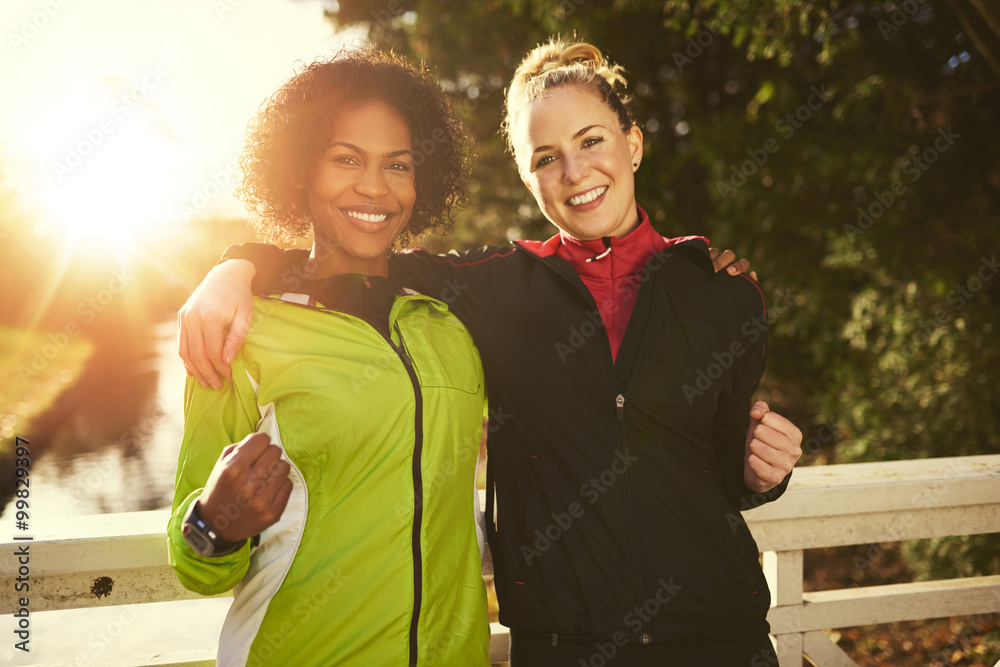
(193, 521)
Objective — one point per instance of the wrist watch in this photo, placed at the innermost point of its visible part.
(203, 538)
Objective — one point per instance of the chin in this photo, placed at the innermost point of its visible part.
(590, 232)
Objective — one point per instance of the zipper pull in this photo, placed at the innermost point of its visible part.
(620, 406)
(400, 349)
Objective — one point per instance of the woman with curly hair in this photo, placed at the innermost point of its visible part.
(344, 515)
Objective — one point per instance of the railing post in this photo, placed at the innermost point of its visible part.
(783, 571)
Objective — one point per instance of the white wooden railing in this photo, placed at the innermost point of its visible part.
(866, 503)
(872, 503)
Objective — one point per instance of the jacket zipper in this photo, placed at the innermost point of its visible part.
(645, 637)
(418, 488)
(418, 492)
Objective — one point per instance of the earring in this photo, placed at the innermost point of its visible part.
(635, 164)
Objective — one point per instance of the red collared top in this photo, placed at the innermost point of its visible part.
(611, 268)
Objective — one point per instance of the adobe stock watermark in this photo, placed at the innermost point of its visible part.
(758, 157)
(824, 434)
(966, 638)
(97, 476)
(457, 632)
(33, 23)
(92, 137)
(476, 95)
(88, 309)
(312, 601)
(468, 452)
(101, 640)
(957, 298)
(426, 146)
(565, 9)
(697, 44)
(633, 620)
(385, 16)
(219, 181)
(750, 332)
(915, 167)
(903, 14)
(930, 495)
(578, 335)
(591, 491)
(224, 8)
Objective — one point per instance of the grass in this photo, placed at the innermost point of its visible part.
(37, 367)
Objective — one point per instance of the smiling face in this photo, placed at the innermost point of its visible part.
(362, 190)
(577, 162)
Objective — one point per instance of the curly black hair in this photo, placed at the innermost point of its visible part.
(288, 136)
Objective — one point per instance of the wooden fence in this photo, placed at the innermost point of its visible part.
(121, 559)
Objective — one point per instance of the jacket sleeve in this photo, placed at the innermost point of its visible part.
(466, 280)
(462, 280)
(444, 277)
(278, 270)
(213, 420)
(733, 411)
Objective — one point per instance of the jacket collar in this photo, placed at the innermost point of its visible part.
(628, 253)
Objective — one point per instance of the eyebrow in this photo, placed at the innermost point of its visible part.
(579, 134)
(358, 149)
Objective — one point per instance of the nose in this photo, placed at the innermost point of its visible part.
(575, 169)
(372, 182)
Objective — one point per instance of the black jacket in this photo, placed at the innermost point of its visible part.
(618, 487)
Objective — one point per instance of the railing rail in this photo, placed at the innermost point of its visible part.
(872, 503)
(120, 559)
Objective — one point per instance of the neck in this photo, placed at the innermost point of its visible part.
(326, 259)
(618, 232)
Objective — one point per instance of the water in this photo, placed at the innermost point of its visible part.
(110, 445)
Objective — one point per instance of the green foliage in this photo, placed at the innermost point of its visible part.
(771, 127)
(850, 150)
(952, 557)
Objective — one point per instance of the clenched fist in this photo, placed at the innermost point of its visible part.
(773, 446)
(247, 490)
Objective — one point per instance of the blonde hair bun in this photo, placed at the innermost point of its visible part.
(561, 62)
(558, 53)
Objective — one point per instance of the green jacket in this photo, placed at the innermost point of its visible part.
(374, 560)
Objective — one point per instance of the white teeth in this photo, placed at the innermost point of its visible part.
(368, 217)
(588, 196)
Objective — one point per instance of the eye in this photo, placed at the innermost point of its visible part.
(401, 166)
(544, 160)
(348, 160)
(592, 141)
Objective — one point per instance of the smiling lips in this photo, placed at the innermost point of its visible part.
(372, 219)
(587, 197)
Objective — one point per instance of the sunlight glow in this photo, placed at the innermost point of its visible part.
(114, 198)
(120, 148)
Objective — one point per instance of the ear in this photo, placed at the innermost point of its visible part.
(634, 139)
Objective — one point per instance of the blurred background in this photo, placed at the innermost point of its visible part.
(850, 150)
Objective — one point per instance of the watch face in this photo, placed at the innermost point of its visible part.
(200, 543)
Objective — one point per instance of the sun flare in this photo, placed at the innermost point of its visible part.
(112, 200)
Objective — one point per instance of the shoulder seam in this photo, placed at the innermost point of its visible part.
(498, 255)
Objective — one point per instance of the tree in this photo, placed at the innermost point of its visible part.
(851, 150)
